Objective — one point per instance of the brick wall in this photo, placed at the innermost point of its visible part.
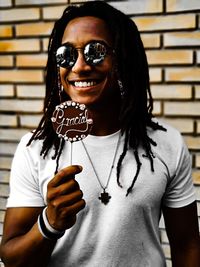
(171, 34)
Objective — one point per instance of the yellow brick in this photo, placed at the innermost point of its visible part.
(162, 223)
(8, 120)
(182, 108)
(19, 14)
(183, 125)
(197, 191)
(54, 12)
(157, 108)
(31, 91)
(171, 91)
(20, 45)
(183, 74)
(182, 39)
(164, 237)
(192, 142)
(34, 29)
(151, 40)
(196, 177)
(199, 21)
(6, 90)
(7, 148)
(21, 76)
(169, 22)
(155, 74)
(32, 60)
(168, 263)
(197, 161)
(33, 106)
(182, 5)
(6, 61)
(197, 91)
(5, 162)
(136, 7)
(198, 57)
(38, 2)
(165, 57)
(45, 43)
(12, 134)
(166, 250)
(5, 175)
(6, 3)
(198, 126)
(5, 31)
(30, 121)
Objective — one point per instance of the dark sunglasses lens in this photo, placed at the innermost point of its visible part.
(66, 56)
(94, 53)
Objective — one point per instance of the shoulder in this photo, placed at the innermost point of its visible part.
(25, 138)
(169, 135)
(171, 150)
(169, 143)
(31, 148)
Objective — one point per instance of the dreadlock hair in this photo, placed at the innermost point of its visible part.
(137, 103)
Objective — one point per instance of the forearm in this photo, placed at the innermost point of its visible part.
(30, 250)
(189, 257)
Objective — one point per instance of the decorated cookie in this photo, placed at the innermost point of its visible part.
(71, 121)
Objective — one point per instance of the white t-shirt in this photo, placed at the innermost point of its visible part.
(125, 232)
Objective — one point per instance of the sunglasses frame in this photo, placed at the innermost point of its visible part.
(61, 61)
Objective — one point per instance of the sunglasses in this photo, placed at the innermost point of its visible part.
(94, 53)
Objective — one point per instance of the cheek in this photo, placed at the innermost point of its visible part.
(63, 76)
(111, 75)
(108, 71)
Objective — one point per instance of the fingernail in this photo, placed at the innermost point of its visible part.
(80, 167)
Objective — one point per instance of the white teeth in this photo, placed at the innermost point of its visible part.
(84, 84)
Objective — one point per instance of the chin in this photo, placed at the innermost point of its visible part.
(83, 100)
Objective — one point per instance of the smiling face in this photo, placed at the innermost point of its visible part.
(84, 83)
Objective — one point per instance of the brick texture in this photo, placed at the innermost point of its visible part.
(19, 14)
(5, 31)
(170, 30)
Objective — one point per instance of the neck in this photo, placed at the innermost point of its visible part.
(105, 120)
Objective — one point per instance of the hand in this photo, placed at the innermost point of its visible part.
(64, 198)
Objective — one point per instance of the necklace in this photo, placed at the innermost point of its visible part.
(105, 197)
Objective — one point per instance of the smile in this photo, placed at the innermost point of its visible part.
(82, 84)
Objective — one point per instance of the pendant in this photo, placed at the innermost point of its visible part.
(105, 197)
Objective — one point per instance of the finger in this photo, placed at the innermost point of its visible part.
(73, 209)
(63, 189)
(65, 174)
(67, 200)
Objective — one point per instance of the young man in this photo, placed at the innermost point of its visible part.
(104, 209)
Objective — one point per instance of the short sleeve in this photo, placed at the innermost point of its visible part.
(180, 190)
(24, 187)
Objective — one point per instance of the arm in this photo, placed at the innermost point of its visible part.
(183, 233)
(22, 243)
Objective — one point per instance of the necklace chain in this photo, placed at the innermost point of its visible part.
(104, 194)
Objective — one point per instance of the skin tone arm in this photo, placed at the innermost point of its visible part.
(22, 243)
(183, 233)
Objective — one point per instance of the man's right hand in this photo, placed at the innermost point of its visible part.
(64, 198)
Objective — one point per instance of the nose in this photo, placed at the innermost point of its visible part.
(80, 64)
